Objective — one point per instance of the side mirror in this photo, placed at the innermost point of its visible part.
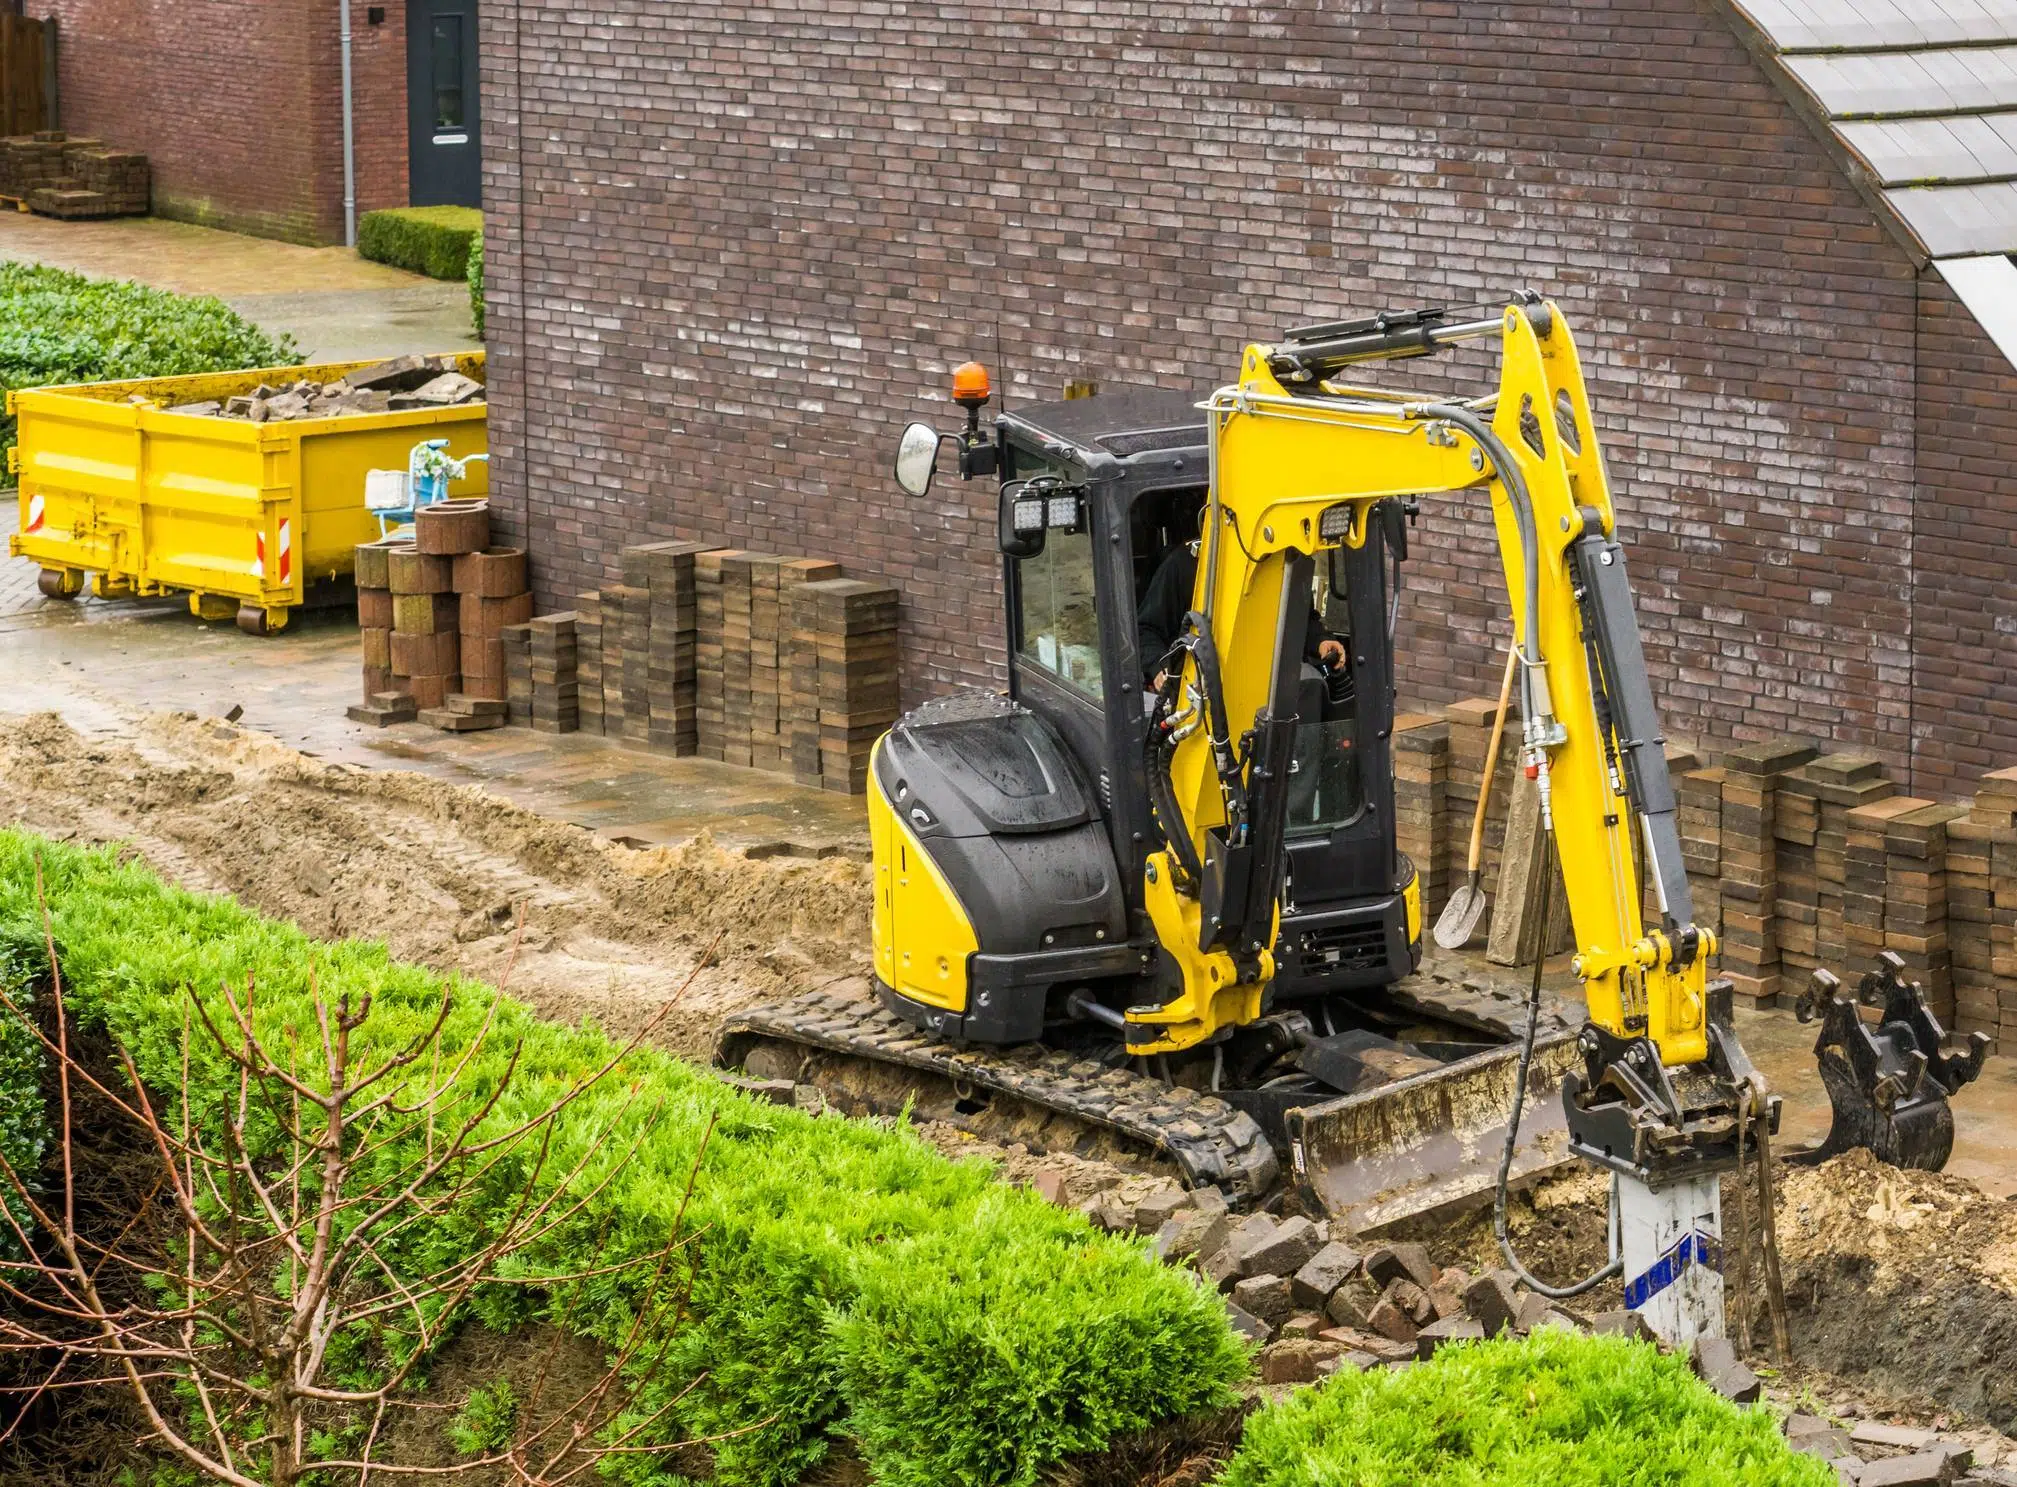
(917, 458)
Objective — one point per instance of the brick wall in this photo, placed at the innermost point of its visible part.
(733, 250)
(239, 107)
(1964, 612)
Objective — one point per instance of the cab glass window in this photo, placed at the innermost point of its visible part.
(1059, 627)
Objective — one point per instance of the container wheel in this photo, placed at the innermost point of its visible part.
(60, 583)
(254, 620)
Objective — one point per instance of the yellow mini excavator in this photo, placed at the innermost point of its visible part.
(1150, 898)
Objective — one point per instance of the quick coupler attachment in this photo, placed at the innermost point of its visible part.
(1629, 1112)
(1889, 1084)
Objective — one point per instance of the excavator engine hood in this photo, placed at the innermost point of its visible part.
(987, 790)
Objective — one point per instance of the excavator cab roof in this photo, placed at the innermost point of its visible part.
(1119, 424)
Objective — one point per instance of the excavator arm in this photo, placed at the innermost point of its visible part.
(1300, 460)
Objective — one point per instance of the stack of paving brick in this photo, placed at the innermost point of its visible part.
(1863, 877)
(710, 696)
(556, 693)
(627, 648)
(426, 650)
(737, 592)
(665, 571)
(1998, 801)
(856, 657)
(31, 163)
(1748, 854)
(74, 177)
(1839, 783)
(588, 660)
(1915, 905)
(797, 664)
(801, 715)
(612, 608)
(110, 183)
(1470, 723)
(764, 749)
(492, 593)
(1796, 828)
(384, 703)
(1698, 816)
(1421, 779)
(517, 672)
(1984, 1000)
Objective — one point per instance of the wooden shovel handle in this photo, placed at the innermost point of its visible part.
(1491, 762)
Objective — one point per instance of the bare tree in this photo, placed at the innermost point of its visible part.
(289, 1219)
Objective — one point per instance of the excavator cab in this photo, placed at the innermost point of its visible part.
(1101, 500)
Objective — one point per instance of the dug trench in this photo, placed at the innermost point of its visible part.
(1902, 1287)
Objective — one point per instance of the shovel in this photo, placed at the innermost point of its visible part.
(1460, 916)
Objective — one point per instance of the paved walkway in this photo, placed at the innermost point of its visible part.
(18, 593)
(337, 306)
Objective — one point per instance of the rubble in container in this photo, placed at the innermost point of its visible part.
(404, 384)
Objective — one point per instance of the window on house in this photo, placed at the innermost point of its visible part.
(448, 111)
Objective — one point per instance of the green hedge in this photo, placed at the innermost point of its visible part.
(428, 240)
(847, 1279)
(476, 284)
(1553, 1410)
(58, 327)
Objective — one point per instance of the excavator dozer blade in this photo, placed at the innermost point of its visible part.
(1433, 1141)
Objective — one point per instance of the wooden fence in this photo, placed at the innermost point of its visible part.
(27, 74)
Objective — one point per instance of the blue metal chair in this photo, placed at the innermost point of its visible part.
(397, 497)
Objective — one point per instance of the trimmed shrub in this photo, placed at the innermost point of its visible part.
(426, 240)
(476, 284)
(57, 327)
(845, 1278)
(24, 1124)
(1553, 1410)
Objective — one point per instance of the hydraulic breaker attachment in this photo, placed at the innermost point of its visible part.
(1889, 1085)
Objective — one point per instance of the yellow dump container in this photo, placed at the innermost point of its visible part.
(243, 517)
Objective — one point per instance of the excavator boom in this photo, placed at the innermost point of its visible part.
(1656, 1087)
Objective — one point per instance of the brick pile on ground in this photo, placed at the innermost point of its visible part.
(555, 684)
(432, 606)
(1421, 788)
(492, 592)
(384, 704)
(611, 606)
(74, 177)
(661, 645)
(588, 661)
(854, 658)
(404, 384)
(426, 650)
(745, 657)
(518, 672)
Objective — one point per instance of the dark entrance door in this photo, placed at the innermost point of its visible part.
(445, 164)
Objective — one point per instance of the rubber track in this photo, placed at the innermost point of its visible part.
(1210, 1142)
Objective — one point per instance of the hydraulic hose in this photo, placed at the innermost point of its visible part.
(1616, 1263)
(1508, 470)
